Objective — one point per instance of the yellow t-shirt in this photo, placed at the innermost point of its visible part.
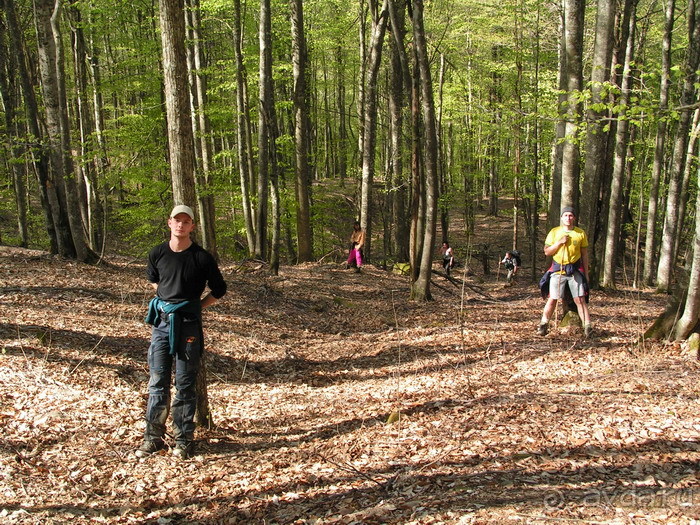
(571, 252)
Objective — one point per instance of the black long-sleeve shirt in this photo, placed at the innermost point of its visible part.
(183, 276)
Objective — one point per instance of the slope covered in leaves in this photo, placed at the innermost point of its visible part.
(490, 421)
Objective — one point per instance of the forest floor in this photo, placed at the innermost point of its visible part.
(496, 424)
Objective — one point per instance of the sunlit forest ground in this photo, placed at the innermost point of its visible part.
(336, 400)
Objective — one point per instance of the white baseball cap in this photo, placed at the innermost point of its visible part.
(181, 208)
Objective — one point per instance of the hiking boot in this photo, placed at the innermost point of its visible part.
(358, 269)
(543, 328)
(183, 450)
(587, 331)
(149, 447)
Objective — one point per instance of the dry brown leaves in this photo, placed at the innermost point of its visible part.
(493, 423)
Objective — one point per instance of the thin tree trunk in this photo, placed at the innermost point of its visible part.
(10, 99)
(614, 207)
(202, 129)
(597, 136)
(266, 103)
(691, 154)
(417, 179)
(75, 200)
(301, 133)
(245, 159)
(400, 85)
(342, 119)
(691, 313)
(670, 230)
(51, 97)
(91, 202)
(49, 198)
(650, 242)
(369, 119)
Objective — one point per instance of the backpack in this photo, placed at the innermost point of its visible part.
(515, 254)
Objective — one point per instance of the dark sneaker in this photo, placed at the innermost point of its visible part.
(543, 329)
(587, 331)
(183, 450)
(358, 269)
(148, 448)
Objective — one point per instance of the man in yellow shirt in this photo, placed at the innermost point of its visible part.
(568, 246)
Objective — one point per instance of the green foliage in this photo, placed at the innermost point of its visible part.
(500, 86)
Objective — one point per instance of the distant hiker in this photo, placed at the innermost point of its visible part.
(568, 247)
(357, 242)
(179, 270)
(511, 262)
(448, 257)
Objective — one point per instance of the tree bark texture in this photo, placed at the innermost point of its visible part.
(51, 97)
(301, 133)
(177, 102)
(688, 98)
(650, 257)
(596, 136)
(420, 289)
(267, 104)
(571, 163)
(243, 142)
(369, 119)
(615, 207)
(691, 312)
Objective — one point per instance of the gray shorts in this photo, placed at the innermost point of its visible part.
(559, 281)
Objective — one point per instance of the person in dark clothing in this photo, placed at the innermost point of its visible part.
(179, 270)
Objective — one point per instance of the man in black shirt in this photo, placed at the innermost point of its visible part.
(179, 270)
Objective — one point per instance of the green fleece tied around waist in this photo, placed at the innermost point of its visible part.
(174, 312)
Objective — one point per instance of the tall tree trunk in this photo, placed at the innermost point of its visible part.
(573, 30)
(362, 76)
(181, 142)
(202, 129)
(44, 10)
(621, 143)
(517, 160)
(443, 182)
(596, 135)
(690, 156)
(691, 312)
(688, 98)
(267, 106)
(554, 198)
(650, 256)
(417, 201)
(301, 133)
(275, 199)
(535, 208)
(400, 84)
(9, 94)
(49, 196)
(369, 118)
(343, 141)
(420, 290)
(75, 200)
(177, 102)
(91, 203)
(243, 142)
